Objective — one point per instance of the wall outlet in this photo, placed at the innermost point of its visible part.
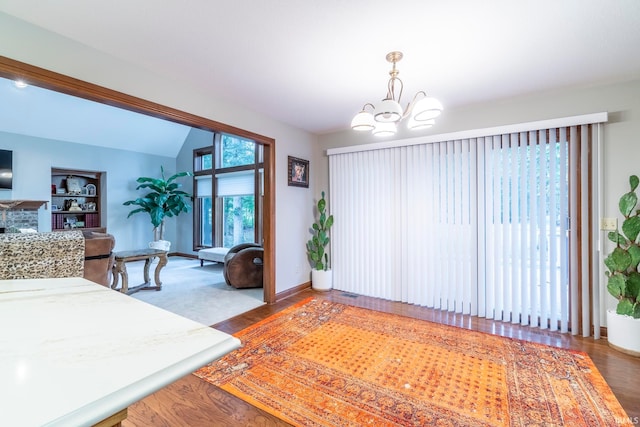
(609, 224)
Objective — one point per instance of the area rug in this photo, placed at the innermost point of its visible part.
(321, 363)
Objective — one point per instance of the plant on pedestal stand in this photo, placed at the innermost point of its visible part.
(164, 199)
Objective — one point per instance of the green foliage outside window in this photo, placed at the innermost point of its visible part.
(237, 211)
(237, 151)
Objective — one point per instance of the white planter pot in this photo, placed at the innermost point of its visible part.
(623, 333)
(162, 245)
(321, 280)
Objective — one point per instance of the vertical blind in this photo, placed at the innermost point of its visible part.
(495, 226)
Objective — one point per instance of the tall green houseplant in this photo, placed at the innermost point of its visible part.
(164, 199)
(320, 237)
(623, 275)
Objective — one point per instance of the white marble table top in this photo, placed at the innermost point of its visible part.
(72, 352)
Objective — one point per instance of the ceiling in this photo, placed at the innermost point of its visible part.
(314, 64)
(47, 114)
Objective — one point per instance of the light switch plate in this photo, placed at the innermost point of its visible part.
(609, 224)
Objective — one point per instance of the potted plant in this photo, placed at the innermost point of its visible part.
(623, 324)
(321, 278)
(164, 199)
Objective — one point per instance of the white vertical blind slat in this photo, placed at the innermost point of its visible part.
(564, 217)
(505, 226)
(534, 273)
(514, 223)
(573, 245)
(432, 227)
(496, 168)
(554, 179)
(479, 250)
(596, 148)
(543, 232)
(586, 229)
(523, 222)
(472, 235)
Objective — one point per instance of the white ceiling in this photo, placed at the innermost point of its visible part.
(313, 64)
(43, 113)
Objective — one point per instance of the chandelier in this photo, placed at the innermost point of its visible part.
(382, 119)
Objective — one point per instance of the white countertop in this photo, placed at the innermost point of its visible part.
(72, 352)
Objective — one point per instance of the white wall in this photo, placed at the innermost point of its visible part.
(33, 159)
(24, 42)
(621, 133)
(197, 138)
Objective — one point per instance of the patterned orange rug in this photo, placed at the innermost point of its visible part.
(326, 364)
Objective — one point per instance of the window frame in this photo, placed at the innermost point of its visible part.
(257, 167)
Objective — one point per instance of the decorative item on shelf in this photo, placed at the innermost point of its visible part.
(321, 275)
(89, 206)
(623, 324)
(70, 222)
(90, 189)
(53, 189)
(383, 117)
(71, 205)
(60, 191)
(55, 208)
(73, 185)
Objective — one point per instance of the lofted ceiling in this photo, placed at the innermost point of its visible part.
(313, 65)
(47, 114)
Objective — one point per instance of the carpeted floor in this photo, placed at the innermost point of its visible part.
(197, 293)
(326, 364)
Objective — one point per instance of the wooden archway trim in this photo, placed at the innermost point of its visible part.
(12, 69)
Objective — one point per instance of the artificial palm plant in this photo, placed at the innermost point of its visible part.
(164, 199)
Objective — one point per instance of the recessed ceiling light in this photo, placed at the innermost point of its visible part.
(20, 84)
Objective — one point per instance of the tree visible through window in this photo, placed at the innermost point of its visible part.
(230, 214)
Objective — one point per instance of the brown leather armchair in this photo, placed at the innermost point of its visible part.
(243, 266)
(98, 256)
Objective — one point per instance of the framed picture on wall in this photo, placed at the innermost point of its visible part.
(298, 172)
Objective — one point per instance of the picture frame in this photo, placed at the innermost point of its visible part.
(298, 172)
(90, 189)
(73, 185)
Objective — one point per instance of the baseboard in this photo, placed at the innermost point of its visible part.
(279, 296)
(183, 255)
(292, 291)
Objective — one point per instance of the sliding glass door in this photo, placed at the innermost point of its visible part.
(476, 226)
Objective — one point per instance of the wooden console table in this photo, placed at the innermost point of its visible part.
(120, 269)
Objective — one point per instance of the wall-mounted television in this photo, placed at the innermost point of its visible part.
(6, 169)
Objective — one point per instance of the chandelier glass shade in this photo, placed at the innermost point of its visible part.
(421, 111)
(385, 129)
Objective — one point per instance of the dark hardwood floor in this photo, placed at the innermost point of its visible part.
(191, 401)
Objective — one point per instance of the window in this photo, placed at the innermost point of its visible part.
(234, 151)
(228, 209)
